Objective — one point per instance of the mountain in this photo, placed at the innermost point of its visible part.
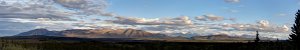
(130, 33)
(94, 33)
(227, 37)
(42, 38)
(41, 32)
(219, 37)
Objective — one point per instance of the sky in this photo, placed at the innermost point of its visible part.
(186, 18)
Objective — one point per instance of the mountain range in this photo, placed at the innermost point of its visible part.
(126, 33)
(95, 33)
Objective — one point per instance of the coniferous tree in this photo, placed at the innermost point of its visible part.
(295, 36)
(257, 37)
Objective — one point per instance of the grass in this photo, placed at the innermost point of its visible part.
(66, 45)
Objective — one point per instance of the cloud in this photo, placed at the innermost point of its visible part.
(232, 1)
(214, 17)
(263, 23)
(59, 25)
(52, 13)
(201, 18)
(90, 7)
(33, 16)
(232, 19)
(53, 9)
(281, 15)
(233, 11)
(30, 10)
(262, 26)
(164, 27)
(183, 20)
(210, 17)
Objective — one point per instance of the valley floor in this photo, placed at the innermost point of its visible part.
(97, 45)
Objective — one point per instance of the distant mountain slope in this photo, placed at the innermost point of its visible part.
(41, 38)
(94, 33)
(219, 37)
(226, 37)
(41, 32)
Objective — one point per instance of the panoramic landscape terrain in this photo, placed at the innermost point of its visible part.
(149, 25)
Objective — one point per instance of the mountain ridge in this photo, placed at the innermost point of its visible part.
(94, 33)
(127, 33)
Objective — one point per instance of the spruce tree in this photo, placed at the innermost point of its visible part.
(257, 37)
(295, 36)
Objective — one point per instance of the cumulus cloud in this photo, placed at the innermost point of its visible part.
(263, 23)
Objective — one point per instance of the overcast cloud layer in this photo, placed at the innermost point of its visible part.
(24, 15)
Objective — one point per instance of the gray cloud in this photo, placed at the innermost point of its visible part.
(67, 10)
(28, 10)
(50, 13)
(90, 7)
(33, 16)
